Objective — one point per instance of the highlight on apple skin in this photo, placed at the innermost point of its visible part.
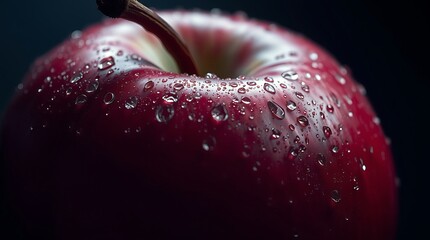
(213, 126)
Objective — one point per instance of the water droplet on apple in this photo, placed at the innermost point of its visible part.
(219, 113)
(376, 120)
(302, 121)
(362, 166)
(292, 154)
(148, 85)
(269, 88)
(290, 75)
(330, 108)
(268, 79)
(92, 87)
(246, 100)
(164, 113)
(291, 105)
(327, 131)
(276, 134)
(276, 110)
(313, 56)
(321, 159)
(299, 95)
(334, 149)
(69, 91)
(170, 97)
(335, 196)
(178, 86)
(81, 99)
(131, 102)
(106, 63)
(209, 144)
(305, 87)
(109, 98)
(78, 76)
(241, 90)
(210, 75)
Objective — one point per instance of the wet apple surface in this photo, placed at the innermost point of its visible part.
(107, 137)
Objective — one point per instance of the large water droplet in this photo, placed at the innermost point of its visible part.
(302, 121)
(276, 110)
(170, 97)
(109, 98)
(219, 113)
(106, 63)
(269, 88)
(131, 102)
(290, 75)
(164, 113)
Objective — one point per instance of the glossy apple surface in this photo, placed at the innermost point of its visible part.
(105, 140)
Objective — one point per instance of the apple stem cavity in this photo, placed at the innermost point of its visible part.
(134, 11)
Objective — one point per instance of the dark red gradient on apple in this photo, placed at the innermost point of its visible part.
(272, 139)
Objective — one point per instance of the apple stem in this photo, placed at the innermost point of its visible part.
(134, 11)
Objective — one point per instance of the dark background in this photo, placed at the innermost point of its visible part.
(384, 43)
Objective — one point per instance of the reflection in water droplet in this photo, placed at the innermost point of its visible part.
(276, 134)
(164, 113)
(178, 86)
(78, 76)
(106, 63)
(148, 85)
(241, 90)
(109, 98)
(291, 105)
(305, 87)
(92, 87)
(246, 100)
(299, 95)
(131, 102)
(330, 108)
(268, 79)
(81, 99)
(303, 121)
(170, 97)
(219, 113)
(327, 131)
(276, 110)
(334, 149)
(335, 196)
(292, 154)
(290, 75)
(269, 88)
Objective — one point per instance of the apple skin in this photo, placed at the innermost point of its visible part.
(102, 140)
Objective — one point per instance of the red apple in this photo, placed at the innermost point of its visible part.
(236, 129)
